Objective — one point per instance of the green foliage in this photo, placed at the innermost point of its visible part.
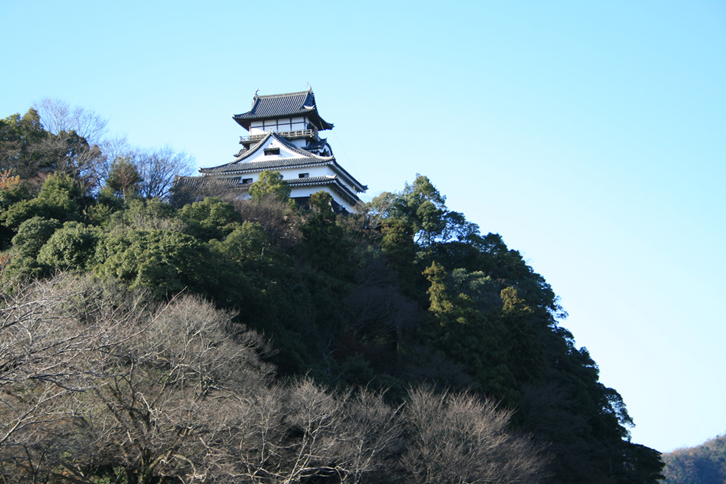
(247, 242)
(140, 215)
(480, 341)
(18, 136)
(321, 202)
(702, 464)
(33, 234)
(123, 178)
(31, 150)
(270, 183)
(163, 261)
(398, 245)
(106, 205)
(500, 262)
(422, 208)
(494, 316)
(60, 198)
(210, 219)
(71, 247)
(324, 241)
(346, 302)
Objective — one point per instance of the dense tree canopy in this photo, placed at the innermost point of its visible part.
(702, 464)
(389, 317)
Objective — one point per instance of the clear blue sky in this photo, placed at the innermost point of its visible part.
(590, 135)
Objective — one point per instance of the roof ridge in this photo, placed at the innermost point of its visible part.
(252, 149)
(270, 96)
(297, 149)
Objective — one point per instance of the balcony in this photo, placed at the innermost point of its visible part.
(301, 133)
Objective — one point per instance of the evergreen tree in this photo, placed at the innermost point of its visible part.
(270, 183)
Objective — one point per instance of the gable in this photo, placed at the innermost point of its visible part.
(271, 149)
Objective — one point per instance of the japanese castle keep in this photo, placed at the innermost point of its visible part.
(283, 136)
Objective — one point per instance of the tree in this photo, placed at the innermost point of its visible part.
(324, 242)
(58, 116)
(167, 392)
(158, 169)
(54, 335)
(124, 178)
(70, 248)
(210, 219)
(50, 137)
(176, 390)
(33, 234)
(422, 208)
(270, 183)
(61, 197)
(18, 138)
(702, 464)
(164, 261)
(457, 438)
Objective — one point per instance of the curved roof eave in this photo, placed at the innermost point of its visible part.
(283, 105)
(240, 159)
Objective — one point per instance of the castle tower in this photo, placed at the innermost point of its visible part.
(284, 136)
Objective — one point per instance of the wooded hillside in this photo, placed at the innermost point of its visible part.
(702, 464)
(146, 339)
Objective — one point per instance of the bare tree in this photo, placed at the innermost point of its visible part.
(58, 116)
(49, 353)
(458, 438)
(280, 221)
(96, 382)
(158, 169)
(290, 434)
(91, 162)
(164, 390)
(74, 147)
(372, 438)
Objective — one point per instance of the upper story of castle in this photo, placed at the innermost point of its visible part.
(294, 116)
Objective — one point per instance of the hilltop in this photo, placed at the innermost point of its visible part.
(258, 340)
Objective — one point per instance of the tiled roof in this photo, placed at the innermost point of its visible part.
(240, 160)
(294, 148)
(265, 165)
(319, 144)
(325, 180)
(283, 105)
(206, 182)
(305, 159)
(223, 185)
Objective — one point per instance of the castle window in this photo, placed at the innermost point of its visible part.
(304, 175)
(272, 151)
(246, 180)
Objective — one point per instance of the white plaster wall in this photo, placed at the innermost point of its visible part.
(293, 173)
(259, 154)
(314, 171)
